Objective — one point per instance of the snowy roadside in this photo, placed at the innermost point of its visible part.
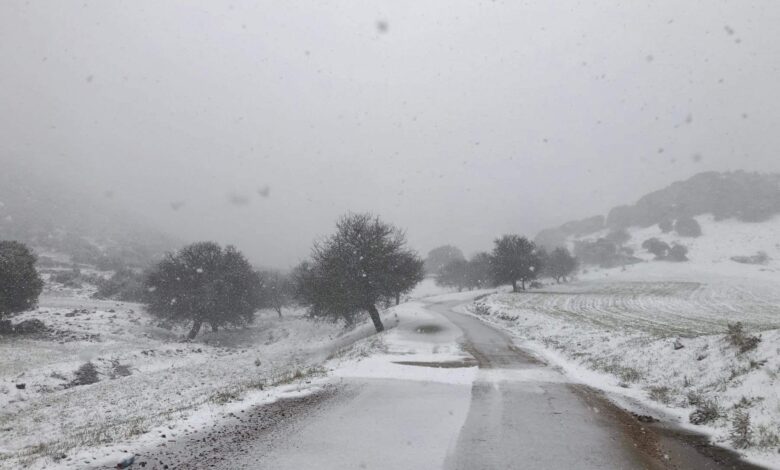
(652, 346)
(423, 346)
(151, 384)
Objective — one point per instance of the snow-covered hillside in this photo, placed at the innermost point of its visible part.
(656, 331)
(710, 255)
(149, 378)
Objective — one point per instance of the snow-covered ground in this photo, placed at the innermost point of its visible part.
(655, 331)
(420, 338)
(44, 420)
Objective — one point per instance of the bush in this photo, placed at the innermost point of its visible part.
(20, 283)
(125, 285)
(759, 258)
(687, 227)
(677, 253)
(741, 434)
(706, 411)
(70, 278)
(736, 336)
(86, 374)
(666, 226)
(603, 253)
(657, 247)
(30, 326)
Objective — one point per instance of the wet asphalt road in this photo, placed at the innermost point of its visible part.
(517, 414)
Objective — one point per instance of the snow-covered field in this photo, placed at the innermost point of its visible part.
(148, 376)
(656, 331)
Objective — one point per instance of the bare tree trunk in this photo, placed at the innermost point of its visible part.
(279, 311)
(522, 282)
(374, 313)
(195, 329)
(397, 299)
(514, 285)
(214, 328)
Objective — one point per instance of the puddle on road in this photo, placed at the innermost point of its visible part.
(440, 365)
(428, 329)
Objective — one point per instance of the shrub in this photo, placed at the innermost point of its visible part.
(759, 258)
(687, 227)
(125, 285)
(736, 336)
(657, 247)
(666, 226)
(677, 253)
(30, 326)
(660, 394)
(741, 434)
(706, 411)
(86, 374)
(602, 252)
(481, 309)
(119, 370)
(70, 278)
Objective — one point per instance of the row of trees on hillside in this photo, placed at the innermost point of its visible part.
(514, 260)
(364, 264)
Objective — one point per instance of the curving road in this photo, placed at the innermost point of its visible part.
(515, 413)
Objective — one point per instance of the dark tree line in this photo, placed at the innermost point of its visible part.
(461, 274)
(515, 260)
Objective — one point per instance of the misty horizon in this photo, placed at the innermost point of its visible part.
(266, 128)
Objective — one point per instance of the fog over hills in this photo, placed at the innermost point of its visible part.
(744, 196)
(58, 219)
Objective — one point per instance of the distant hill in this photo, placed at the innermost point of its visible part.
(744, 196)
(64, 226)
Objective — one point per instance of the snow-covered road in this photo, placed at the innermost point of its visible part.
(394, 410)
(524, 415)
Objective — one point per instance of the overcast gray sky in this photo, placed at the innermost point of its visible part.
(457, 120)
